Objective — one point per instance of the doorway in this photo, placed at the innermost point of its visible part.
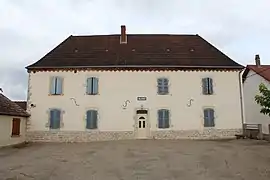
(142, 125)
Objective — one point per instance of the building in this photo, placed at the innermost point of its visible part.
(108, 87)
(253, 76)
(13, 121)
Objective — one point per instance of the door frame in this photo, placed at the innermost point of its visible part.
(147, 121)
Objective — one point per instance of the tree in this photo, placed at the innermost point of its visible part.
(263, 99)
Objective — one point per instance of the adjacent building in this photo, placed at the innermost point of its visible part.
(13, 121)
(131, 86)
(253, 76)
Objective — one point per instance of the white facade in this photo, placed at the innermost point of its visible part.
(117, 103)
(6, 137)
(252, 109)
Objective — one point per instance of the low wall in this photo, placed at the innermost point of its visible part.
(88, 136)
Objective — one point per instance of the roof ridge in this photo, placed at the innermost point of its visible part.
(102, 35)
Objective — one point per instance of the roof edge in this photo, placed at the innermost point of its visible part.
(219, 50)
(14, 114)
(29, 66)
(138, 66)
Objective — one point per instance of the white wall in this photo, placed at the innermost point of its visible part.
(117, 87)
(6, 131)
(252, 109)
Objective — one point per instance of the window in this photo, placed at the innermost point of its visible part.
(16, 126)
(55, 118)
(92, 86)
(163, 118)
(91, 119)
(207, 86)
(209, 117)
(163, 86)
(56, 86)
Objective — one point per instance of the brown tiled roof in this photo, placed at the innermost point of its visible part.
(7, 107)
(146, 51)
(262, 70)
(22, 104)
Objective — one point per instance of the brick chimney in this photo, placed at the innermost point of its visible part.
(123, 37)
(257, 60)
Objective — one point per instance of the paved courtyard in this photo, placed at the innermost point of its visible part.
(145, 159)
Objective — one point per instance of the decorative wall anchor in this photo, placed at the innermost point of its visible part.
(74, 100)
(190, 102)
(125, 104)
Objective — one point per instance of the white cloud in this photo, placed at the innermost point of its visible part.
(29, 29)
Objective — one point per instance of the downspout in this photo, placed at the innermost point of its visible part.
(241, 98)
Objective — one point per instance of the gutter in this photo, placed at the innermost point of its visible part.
(241, 98)
(138, 66)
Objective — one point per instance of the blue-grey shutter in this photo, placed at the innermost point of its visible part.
(204, 86)
(209, 118)
(91, 119)
(59, 85)
(88, 119)
(160, 83)
(166, 118)
(52, 85)
(206, 118)
(212, 117)
(210, 85)
(89, 86)
(55, 116)
(94, 121)
(95, 85)
(160, 119)
(165, 86)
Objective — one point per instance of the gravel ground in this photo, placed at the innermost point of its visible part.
(142, 159)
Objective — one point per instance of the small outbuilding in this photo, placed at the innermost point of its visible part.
(13, 119)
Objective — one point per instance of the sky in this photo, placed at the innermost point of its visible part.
(29, 28)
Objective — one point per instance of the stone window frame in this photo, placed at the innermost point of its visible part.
(47, 125)
(213, 83)
(215, 117)
(98, 118)
(169, 85)
(85, 84)
(50, 85)
(170, 119)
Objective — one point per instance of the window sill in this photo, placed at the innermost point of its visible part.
(92, 130)
(55, 94)
(164, 129)
(15, 136)
(92, 94)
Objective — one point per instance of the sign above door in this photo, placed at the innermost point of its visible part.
(141, 98)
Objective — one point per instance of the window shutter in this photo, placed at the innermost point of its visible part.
(95, 85)
(166, 119)
(91, 119)
(163, 86)
(59, 85)
(53, 85)
(206, 118)
(94, 122)
(160, 83)
(89, 86)
(204, 86)
(210, 85)
(160, 118)
(55, 117)
(88, 119)
(16, 123)
(212, 117)
(209, 118)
